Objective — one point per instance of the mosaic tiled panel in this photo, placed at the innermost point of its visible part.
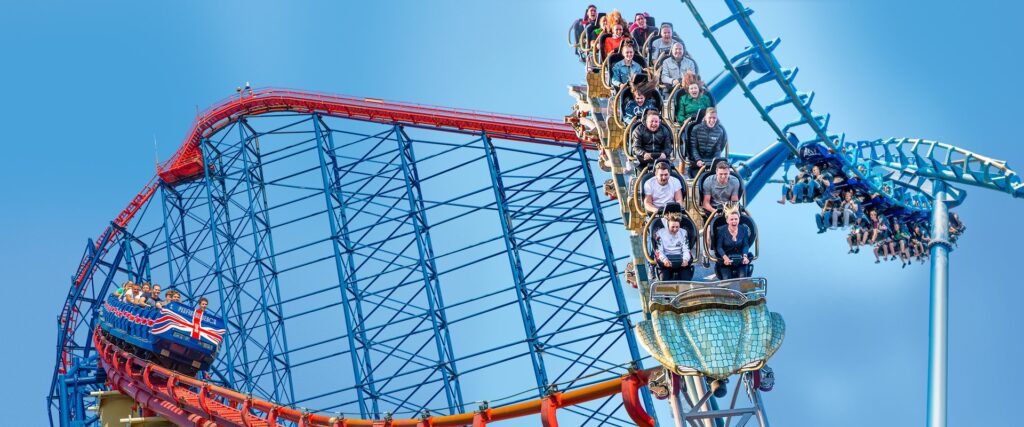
(714, 342)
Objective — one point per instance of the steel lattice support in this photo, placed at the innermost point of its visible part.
(246, 283)
(362, 267)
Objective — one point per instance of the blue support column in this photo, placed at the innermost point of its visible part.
(435, 302)
(938, 308)
(620, 297)
(760, 168)
(512, 249)
(227, 347)
(362, 370)
(266, 268)
(180, 251)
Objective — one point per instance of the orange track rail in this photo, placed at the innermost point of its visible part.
(190, 402)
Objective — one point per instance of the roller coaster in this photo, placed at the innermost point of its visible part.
(380, 234)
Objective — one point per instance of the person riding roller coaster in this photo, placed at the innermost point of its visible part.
(707, 141)
(691, 103)
(661, 46)
(675, 67)
(732, 246)
(639, 102)
(662, 189)
(720, 188)
(639, 30)
(612, 44)
(650, 141)
(673, 255)
(624, 71)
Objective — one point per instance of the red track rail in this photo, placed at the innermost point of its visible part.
(187, 162)
(190, 402)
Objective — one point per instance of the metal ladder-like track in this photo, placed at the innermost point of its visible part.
(808, 126)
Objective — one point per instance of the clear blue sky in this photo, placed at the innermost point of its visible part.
(88, 86)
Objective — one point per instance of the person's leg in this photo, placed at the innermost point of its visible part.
(686, 273)
(878, 251)
(819, 220)
(799, 192)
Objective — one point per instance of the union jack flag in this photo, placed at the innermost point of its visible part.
(170, 320)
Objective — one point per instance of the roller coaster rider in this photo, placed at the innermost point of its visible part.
(732, 246)
(674, 68)
(674, 253)
(624, 71)
(662, 189)
(720, 188)
(707, 141)
(639, 103)
(661, 45)
(651, 141)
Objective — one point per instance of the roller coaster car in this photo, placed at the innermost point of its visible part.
(707, 172)
(818, 154)
(718, 220)
(657, 222)
(639, 194)
(622, 97)
(746, 333)
(673, 104)
(628, 143)
(611, 60)
(177, 336)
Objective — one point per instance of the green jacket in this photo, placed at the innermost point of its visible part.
(688, 106)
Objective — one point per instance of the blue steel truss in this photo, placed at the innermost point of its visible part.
(382, 267)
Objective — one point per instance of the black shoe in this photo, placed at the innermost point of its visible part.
(820, 231)
(877, 261)
(856, 251)
(851, 251)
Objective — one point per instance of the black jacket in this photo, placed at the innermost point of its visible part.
(654, 143)
(706, 143)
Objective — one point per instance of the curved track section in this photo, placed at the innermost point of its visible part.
(345, 221)
(787, 110)
(187, 401)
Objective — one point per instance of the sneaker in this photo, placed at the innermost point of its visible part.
(856, 251)
(877, 261)
(850, 252)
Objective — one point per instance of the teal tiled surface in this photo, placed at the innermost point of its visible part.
(715, 342)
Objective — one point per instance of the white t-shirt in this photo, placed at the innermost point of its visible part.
(661, 195)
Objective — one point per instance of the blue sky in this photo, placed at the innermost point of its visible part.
(90, 86)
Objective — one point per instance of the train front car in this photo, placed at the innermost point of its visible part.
(715, 329)
(177, 336)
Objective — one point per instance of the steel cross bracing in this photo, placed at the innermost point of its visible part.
(355, 262)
